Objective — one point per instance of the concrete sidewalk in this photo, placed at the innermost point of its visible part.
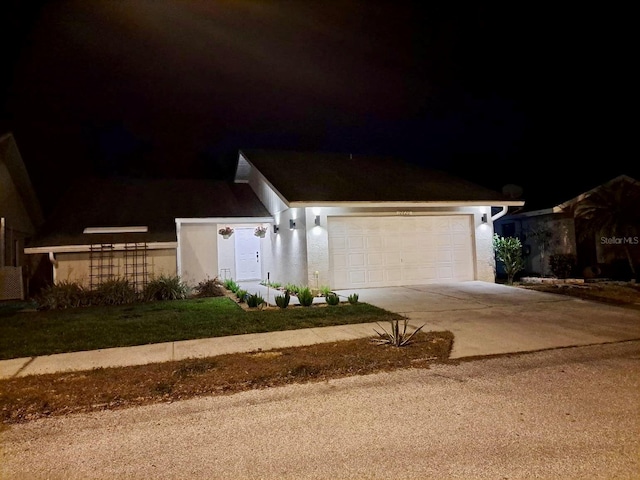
(485, 318)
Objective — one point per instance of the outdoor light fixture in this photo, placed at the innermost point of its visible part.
(276, 228)
(292, 224)
(318, 220)
(484, 218)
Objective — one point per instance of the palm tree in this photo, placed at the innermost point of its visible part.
(612, 211)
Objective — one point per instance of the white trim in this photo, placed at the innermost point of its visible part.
(87, 248)
(405, 204)
(228, 220)
(265, 180)
(139, 229)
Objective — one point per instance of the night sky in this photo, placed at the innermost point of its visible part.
(169, 88)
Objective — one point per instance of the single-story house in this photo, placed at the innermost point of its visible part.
(340, 220)
(554, 229)
(20, 217)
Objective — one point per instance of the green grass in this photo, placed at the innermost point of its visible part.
(34, 333)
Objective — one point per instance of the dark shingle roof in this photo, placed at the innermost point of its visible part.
(155, 203)
(334, 177)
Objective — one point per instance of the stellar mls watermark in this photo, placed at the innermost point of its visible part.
(619, 240)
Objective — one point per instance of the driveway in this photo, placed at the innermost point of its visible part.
(491, 319)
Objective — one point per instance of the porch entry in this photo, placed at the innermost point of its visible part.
(248, 254)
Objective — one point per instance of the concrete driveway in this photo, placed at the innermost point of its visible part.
(492, 319)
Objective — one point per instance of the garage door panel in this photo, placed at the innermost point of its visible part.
(355, 243)
(400, 250)
(357, 277)
(356, 260)
(337, 242)
(392, 259)
(376, 276)
(375, 259)
(394, 276)
(374, 243)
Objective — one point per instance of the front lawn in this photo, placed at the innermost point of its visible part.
(34, 333)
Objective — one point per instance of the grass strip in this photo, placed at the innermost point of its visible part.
(29, 398)
(35, 333)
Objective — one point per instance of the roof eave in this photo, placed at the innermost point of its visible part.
(87, 248)
(399, 204)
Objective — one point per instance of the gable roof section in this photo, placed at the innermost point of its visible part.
(153, 203)
(307, 177)
(611, 183)
(535, 209)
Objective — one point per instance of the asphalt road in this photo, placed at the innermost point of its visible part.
(563, 414)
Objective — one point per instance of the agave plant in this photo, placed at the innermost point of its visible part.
(332, 298)
(353, 298)
(254, 300)
(283, 300)
(396, 337)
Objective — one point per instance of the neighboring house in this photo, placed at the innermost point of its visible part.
(20, 216)
(344, 221)
(554, 230)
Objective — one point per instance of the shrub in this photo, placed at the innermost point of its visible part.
(114, 292)
(283, 300)
(291, 288)
(230, 284)
(305, 297)
(209, 288)
(325, 290)
(332, 298)
(241, 294)
(166, 288)
(396, 337)
(562, 264)
(254, 300)
(62, 295)
(508, 250)
(353, 298)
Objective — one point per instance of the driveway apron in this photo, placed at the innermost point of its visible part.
(493, 319)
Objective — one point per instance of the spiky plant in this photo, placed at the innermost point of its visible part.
(283, 300)
(305, 296)
(332, 298)
(396, 337)
(254, 300)
(353, 298)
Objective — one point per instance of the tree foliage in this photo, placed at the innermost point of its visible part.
(612, 211)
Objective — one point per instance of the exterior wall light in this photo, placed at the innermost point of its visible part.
(484, 218)
(292, 224)
(276, 228)
(317, 220)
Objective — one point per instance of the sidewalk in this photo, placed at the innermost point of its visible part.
(485, 319)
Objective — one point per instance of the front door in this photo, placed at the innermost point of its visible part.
(247, 255)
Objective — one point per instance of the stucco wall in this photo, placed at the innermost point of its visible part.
(288, 248)
(198, 252)
(75, 267)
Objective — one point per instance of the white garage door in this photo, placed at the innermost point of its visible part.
(387, 251)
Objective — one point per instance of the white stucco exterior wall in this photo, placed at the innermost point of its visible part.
(198, 245)
(485, 262)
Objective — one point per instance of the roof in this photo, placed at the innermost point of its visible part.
(554, 205)
(309, 177)
(11, 158)
(154, 203)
